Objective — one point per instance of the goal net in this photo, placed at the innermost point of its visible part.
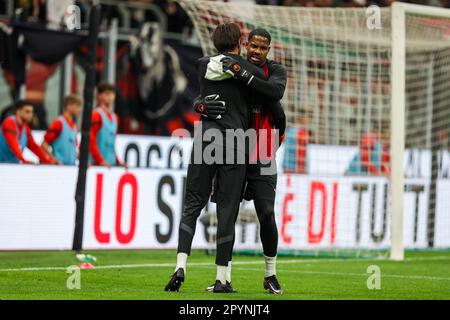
(365, 164)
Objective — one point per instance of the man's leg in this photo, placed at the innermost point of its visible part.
(265, 210)
(230, 181)
(262, 188)
(230, 254)
(269, 238)
(268, 232)
(198, 189)
(236, 214)
(228, 274)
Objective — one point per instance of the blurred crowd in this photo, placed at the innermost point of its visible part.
(177, 19)
(348, 3)
(49, 12)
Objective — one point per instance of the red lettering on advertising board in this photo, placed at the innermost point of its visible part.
(285, 216)
(333, 213)
(317, 187)
(102, 237)
(126, 179)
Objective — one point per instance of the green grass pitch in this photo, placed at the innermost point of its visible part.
(143, 274)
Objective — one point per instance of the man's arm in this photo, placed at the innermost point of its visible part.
(53, 132)
(272, 88)
(275, 85)
(46, 147)
(386, 161)
(93, 147)
(279, 117)
(10, 133)
(210, 106)
(365, 148)
(118, 162)
(37, 150)
(201, 73)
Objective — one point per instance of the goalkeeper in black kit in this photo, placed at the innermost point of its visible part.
(260, 186)
(236, 96)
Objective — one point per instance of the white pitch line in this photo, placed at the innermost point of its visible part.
(150, 265)
(34, 269)
(199, 264)
(356, 274)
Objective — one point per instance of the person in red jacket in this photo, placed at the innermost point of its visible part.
(104, 128)
(296, 145)
(15, 135)
(373, 157)
(61, 136)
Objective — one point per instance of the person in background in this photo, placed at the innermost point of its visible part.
(62, 133)
(373, 157)
(15, 135)
(295, 146)
(104, 128)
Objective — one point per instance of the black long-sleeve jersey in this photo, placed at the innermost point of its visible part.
(236, 94)
(268, 93)
(275, 85)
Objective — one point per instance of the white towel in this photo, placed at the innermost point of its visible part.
(214, 70)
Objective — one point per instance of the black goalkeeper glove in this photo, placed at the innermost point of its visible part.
(210, 106)
(230, 64)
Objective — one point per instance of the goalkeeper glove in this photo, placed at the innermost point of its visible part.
(210, 106)
(230, 64)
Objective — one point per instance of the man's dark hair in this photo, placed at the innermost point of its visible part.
(22, 103)
(226, 37)
(72, 99)
(105, 86)
(260, 32)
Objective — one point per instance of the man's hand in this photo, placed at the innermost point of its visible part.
(105, 164)
(122, 165)
(230, 64)
(210, 106)
(56, 162)
(28, 162)
(50, 161)
(53, 160)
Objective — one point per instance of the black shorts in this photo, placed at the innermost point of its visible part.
(258, 184)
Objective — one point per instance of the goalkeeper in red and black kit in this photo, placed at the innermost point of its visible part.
(261, 187)
(217, 85)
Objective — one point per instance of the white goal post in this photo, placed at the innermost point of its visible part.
(366, 160)
(397, 128)
(398, 68)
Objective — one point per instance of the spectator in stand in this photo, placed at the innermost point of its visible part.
(373, 157)
(104, 128)
(291, 3)
(353, 3)
(295, 146)
(381, 3)
(177, 18)
(62, 133)
(444, 138)
(31, 10)
(15, 135)
(444, 3)
(324, 3)
(2, 7)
